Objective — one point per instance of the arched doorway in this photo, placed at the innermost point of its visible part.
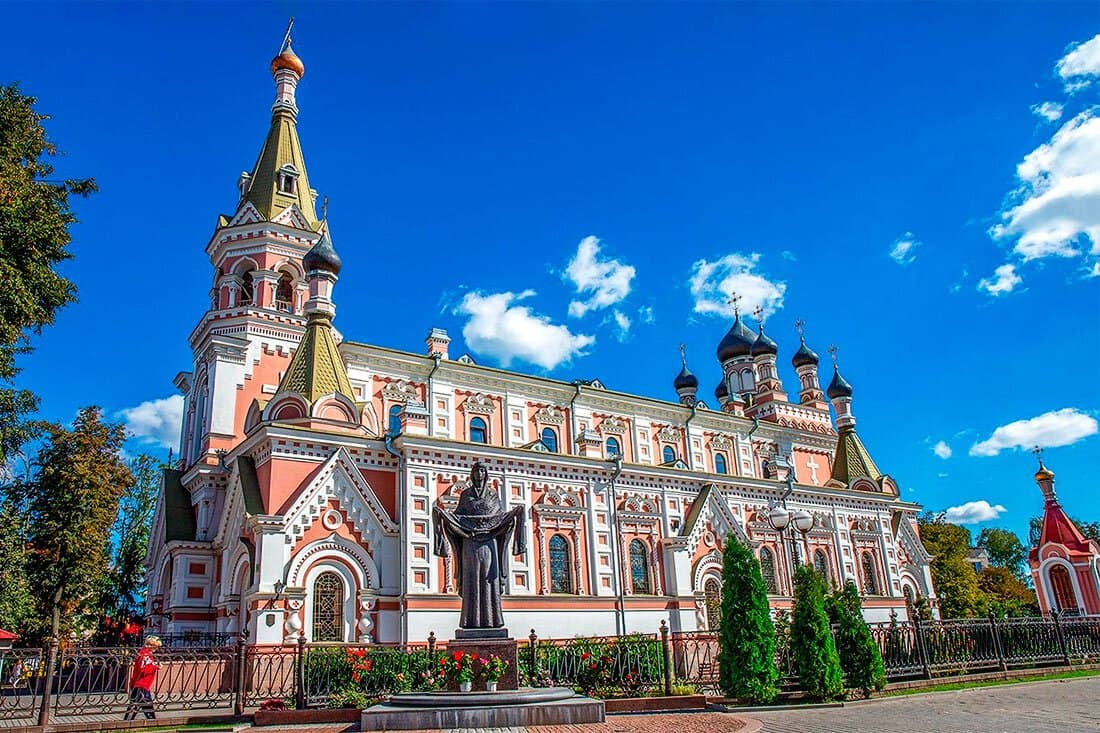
(1061, 587)
(712, 597)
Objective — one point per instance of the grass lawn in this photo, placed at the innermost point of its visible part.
(949, 686)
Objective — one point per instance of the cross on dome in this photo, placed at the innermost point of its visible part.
(735, 301)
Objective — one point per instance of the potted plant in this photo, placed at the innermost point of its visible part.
(493, 669)
(459, 667)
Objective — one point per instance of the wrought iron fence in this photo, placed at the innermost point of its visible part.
(373, 671)
(20, 685)
(607, 666)
(695, 660)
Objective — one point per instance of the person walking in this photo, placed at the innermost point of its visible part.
(143, 676)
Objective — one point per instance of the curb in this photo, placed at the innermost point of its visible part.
(737, 709)
(887, 698)
(752, 725)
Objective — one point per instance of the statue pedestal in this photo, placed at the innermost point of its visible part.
(485, 643)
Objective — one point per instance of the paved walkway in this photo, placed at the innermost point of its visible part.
(1063, 706)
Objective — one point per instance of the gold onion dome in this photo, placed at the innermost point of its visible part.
(1044, 473)
(288, 60)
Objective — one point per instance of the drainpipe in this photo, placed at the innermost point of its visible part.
(437, 358)
(401, 491)
(573, 417)
(620, 617)
(687, 434)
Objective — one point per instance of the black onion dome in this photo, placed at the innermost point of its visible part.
(685, 380)
(722, 391)
(322, 257)
(839, 387)
(764, 344)
(805, 356)
(737, 341)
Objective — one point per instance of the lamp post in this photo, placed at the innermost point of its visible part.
(613, 514)
(782, 519)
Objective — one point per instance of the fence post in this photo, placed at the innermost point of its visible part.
(431, 644)
(997, 645)
(667, 656)
(532, 648)
(1058, 632)
(47, 685)
(926, 668)
(300, 675)
(238, 693)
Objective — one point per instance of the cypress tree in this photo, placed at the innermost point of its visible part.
(815, 657)
(746, 655)
(859, 654)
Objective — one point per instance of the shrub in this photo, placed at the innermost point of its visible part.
(815, 657)
(746, 655)
(349, 697)
(859, 654)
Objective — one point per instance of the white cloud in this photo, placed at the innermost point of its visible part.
(605, 281)
(156, 421)
(1056, 206)
(622, 322)
(1004, 280)
(1093, 271)
(789, 256)
(973, 512)
(942, 450)
(1081, 64)
(942, 475)
(646, 314)
(507, 331)
(904, 250)
(1049, 111)
(1049, 430)
(712, 282)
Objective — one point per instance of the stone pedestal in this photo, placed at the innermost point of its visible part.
(486, 643)
(482, 710)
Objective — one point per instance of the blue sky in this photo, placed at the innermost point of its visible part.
(472, 152)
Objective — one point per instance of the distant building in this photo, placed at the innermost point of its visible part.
(309, 464)
(1064, 565)
(978, 559)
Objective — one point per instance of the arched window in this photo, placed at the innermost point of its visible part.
(907, 591)
(712, 595)
(720, 463)
(284, 293)
(639, 567)
(613, 447)
(395, 420)
(1061, 587)
(328, 607)
(668, 454)
(550, 439)
(748, 381)
(561, 578)
(478, 432)
(246, 289)
(767, 570)
(867, 574)
(821, 563)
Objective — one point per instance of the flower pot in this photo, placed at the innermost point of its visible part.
(490, 685)
(465, 686)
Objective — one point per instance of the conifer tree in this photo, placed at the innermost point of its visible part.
(859, 654)
(746, 655)
(815, 657)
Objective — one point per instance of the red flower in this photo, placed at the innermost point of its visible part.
(586, 655)
(457, 656)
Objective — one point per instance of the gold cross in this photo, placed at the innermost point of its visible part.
(286, 38)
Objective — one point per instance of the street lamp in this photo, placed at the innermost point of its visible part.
(782, 519)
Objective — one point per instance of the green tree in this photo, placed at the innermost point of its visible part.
(815, 655)
(953, 576)
(859, 654)
(1006, 593)
(1091, 530)
(16, 601)
(72, 501)
(35, 217)
(746, 653)
(1004, 548)
(124, 589)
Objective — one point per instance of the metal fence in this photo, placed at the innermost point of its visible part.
(608, 666)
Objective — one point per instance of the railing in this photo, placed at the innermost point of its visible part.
(200, 639)
(608, 666)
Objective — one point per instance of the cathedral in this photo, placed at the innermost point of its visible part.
(309, 464)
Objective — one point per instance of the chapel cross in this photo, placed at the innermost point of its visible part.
(758, 313)
(800, 326)
(286, 38)
(324, 209)
(813, 466)
(735, 300)
(683, 355)
(833, 351)
(1038, 454)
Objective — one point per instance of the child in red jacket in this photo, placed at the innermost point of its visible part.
(142, 678)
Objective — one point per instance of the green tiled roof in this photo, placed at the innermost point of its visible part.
(317, 368)
(281, 148)
(852, 459)
(179, 515)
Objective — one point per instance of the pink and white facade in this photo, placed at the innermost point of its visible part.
(309, 464)
(1065, 566)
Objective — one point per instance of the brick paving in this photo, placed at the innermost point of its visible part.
(655, 723)
(1063, 706)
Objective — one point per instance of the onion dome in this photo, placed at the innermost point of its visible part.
(722, 391)
(1044, 473)
(805, 356)
(839, 387)
(685, 380)
(322, 257)
(288, 60)
(764, 344)
(737, 342)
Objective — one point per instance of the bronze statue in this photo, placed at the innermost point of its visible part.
(479, 530)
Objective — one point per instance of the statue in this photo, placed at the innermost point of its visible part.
(479, 530)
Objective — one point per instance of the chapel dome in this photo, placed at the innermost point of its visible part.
(288, 60)
(685, 380)
(839, 387)
(737, 342)
(764, 344)
(805, 356)
(322, 257)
